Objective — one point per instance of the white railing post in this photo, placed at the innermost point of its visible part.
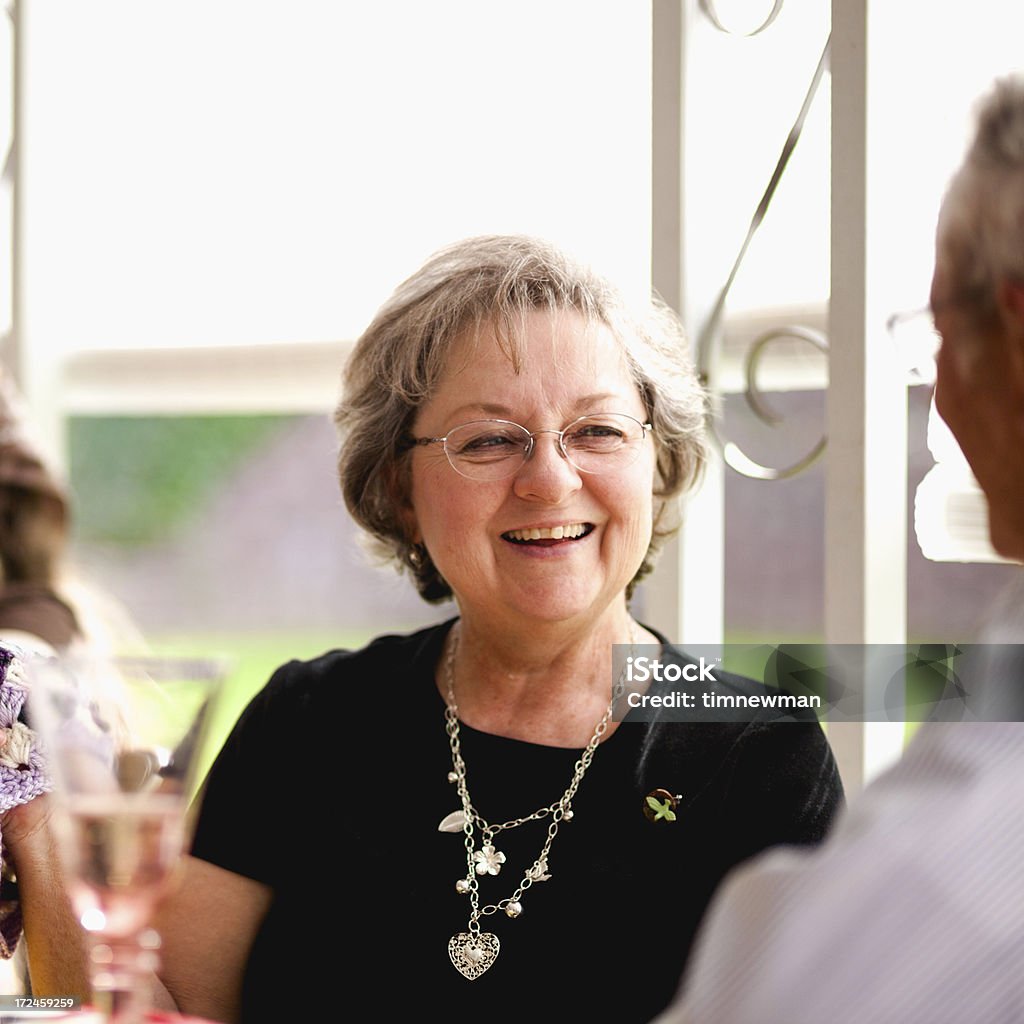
(865, 500)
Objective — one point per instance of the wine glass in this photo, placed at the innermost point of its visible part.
(123, 738)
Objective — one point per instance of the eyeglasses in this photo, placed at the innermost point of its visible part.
(496, 449)
(917, 342)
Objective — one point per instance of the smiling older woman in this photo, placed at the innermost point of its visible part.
(454, 821)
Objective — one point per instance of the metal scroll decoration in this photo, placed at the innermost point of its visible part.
(710, 9)
(732, 454)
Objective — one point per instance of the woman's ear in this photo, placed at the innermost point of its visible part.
(411, 526)
(399, 485)
(1011, 301)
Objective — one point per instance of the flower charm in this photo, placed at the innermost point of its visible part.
(488, 860)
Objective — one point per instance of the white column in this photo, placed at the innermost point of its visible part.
(684, 598)
(865, 501)
(36, 367)
(9, 349)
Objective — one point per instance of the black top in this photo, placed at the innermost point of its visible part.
(330, 790)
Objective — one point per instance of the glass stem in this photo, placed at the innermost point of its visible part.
(122, 969)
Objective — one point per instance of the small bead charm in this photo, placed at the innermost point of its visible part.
(462, 886)
(453, 776)
(514, 909)
(568, 814)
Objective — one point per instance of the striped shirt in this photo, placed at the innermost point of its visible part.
(911, 911)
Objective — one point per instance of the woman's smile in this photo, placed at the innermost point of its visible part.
(548, 536)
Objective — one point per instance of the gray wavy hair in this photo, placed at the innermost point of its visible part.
(495, 281)
(982, 219)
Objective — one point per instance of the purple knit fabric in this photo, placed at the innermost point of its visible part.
(18, 785)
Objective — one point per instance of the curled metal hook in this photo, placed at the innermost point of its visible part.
(710, 9)
(753, 394)
(733, 455)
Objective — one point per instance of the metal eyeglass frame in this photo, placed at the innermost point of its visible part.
(645, 428)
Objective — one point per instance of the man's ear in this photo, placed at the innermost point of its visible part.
(1011, 301)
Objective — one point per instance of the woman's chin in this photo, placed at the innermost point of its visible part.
(557, 604)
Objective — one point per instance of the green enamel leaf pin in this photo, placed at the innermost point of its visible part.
(661, 808)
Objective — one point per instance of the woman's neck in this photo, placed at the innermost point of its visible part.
(549, 684)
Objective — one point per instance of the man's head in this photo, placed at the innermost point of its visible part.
(978, 302)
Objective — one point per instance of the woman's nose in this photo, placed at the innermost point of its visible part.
(547, 475)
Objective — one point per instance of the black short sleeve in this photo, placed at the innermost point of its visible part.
(244, 791)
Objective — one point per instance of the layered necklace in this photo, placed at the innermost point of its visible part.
(474, 951)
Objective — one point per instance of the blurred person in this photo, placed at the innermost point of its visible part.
(913, 909)
(33, 536)
(34, 617)
(454, 819)
(46, 609)
(46, 604)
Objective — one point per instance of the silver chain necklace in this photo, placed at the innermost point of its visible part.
(474, 951)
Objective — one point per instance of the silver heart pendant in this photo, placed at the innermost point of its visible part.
(473, 954)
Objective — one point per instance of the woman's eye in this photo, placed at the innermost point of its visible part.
(488, 441)
(489, 444)
(595, 436)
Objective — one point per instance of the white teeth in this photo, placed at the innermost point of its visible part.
(570, 530)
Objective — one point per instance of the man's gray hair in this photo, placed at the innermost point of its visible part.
(981, 226)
